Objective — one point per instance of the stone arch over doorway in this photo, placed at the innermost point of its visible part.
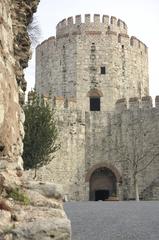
(95, 99)
(103, 182)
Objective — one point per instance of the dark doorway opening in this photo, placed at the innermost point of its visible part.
(95, 104)
(103, 184)
(101, 195)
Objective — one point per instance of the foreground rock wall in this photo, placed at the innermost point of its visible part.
(10, 111)
(28, 210)
(36, 211)
(15, 52)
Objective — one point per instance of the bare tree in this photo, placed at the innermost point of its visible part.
(139, 146)
(34, 31)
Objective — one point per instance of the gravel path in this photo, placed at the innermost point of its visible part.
(114, 220)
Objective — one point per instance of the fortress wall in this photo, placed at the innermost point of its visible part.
(99, 140)
(67, 57)
(136, 104)
(71, 68)
(68, 166)
(91, 138)
(111, 136)
(45, 62)
(56, 67)
(139, 132)
(139, 67)
(125, 67)
(74, 69)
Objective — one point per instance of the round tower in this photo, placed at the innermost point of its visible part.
(93, 62)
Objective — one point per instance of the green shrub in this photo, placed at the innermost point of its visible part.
(19, 196)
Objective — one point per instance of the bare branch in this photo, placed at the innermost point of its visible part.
(154, 157)
(34, 31)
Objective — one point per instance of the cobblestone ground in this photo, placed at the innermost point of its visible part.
(114, 220)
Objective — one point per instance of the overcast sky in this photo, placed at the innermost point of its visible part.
(141, 17)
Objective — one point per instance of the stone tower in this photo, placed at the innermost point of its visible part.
(98, 79)
(94, 62)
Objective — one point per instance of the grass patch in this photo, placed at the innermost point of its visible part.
(19, 196)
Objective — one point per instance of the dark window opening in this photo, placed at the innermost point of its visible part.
(101, 195)
(122, 47)
(95, 104)
(102, 70)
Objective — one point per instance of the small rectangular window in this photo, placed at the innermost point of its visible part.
(102, 70)
(95, 104)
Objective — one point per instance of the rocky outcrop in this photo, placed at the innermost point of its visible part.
(14, 51)
(22, 12)
(27, 210)
(39, 216)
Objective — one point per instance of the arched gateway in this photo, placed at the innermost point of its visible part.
(103, 182)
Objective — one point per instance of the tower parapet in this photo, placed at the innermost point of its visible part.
(100, 25)
(77, 26)
(146, 102)
(136, 103)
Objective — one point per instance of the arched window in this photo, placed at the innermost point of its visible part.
(95, 99)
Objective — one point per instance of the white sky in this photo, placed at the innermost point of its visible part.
(141, 17)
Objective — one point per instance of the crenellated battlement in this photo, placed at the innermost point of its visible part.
(121, 105)
(100, 25)
(138, 44)
(136, 103)
(104, 23)
(60, 102)
(97, 26)
(105, 19)
(97, 18)
(50, 41)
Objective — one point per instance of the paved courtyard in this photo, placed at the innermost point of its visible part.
(114, 220)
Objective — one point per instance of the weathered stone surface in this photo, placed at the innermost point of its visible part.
(22, 12)
(46, 189)
(30, 213)
(43, 217)
(98, 60)
(5, 220)
(38, 200)
(46, 229)
(71, 63)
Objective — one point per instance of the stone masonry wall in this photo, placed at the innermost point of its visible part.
(68, 164)
(70, 64)
(93, 139)
(68, 67)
